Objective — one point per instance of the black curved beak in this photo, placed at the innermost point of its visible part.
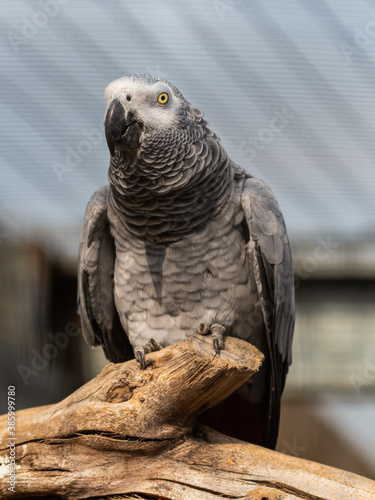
(122, 131)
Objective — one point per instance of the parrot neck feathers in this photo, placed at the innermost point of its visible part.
(163, 202)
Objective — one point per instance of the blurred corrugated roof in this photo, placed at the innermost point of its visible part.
(288, 86)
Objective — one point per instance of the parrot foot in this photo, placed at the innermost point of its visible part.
(141, 351)
(218, 333)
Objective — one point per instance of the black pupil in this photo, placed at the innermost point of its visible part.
(163, 97)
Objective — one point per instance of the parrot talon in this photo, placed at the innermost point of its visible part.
(140, 356)
(218, 332)
(141, 351)
(203, 329)
(215, 343)
(154, 344)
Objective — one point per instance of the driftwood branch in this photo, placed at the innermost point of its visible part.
(129, 433)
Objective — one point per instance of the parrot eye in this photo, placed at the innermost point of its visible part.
(163, 98)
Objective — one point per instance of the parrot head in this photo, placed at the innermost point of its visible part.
(147, 116)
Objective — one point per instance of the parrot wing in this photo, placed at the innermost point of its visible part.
(96, 306)
(271, 261)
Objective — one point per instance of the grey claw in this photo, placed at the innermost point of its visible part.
(216, 345)
(203, 329)
(154, 344)
(140, 356)
(218, 332)
(141, 351)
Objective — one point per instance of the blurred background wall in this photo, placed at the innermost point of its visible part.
(289, 88)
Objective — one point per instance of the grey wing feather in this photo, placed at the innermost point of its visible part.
(99, 319)
(271, 261)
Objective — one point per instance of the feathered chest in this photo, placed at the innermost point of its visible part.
(171, 288)
(163, 202)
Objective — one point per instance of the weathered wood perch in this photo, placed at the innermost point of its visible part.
(129, 432)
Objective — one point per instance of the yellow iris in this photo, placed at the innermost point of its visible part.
(163, 98)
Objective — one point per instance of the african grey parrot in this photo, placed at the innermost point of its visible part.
(183, 239)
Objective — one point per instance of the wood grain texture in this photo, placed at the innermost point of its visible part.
(129, 433)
